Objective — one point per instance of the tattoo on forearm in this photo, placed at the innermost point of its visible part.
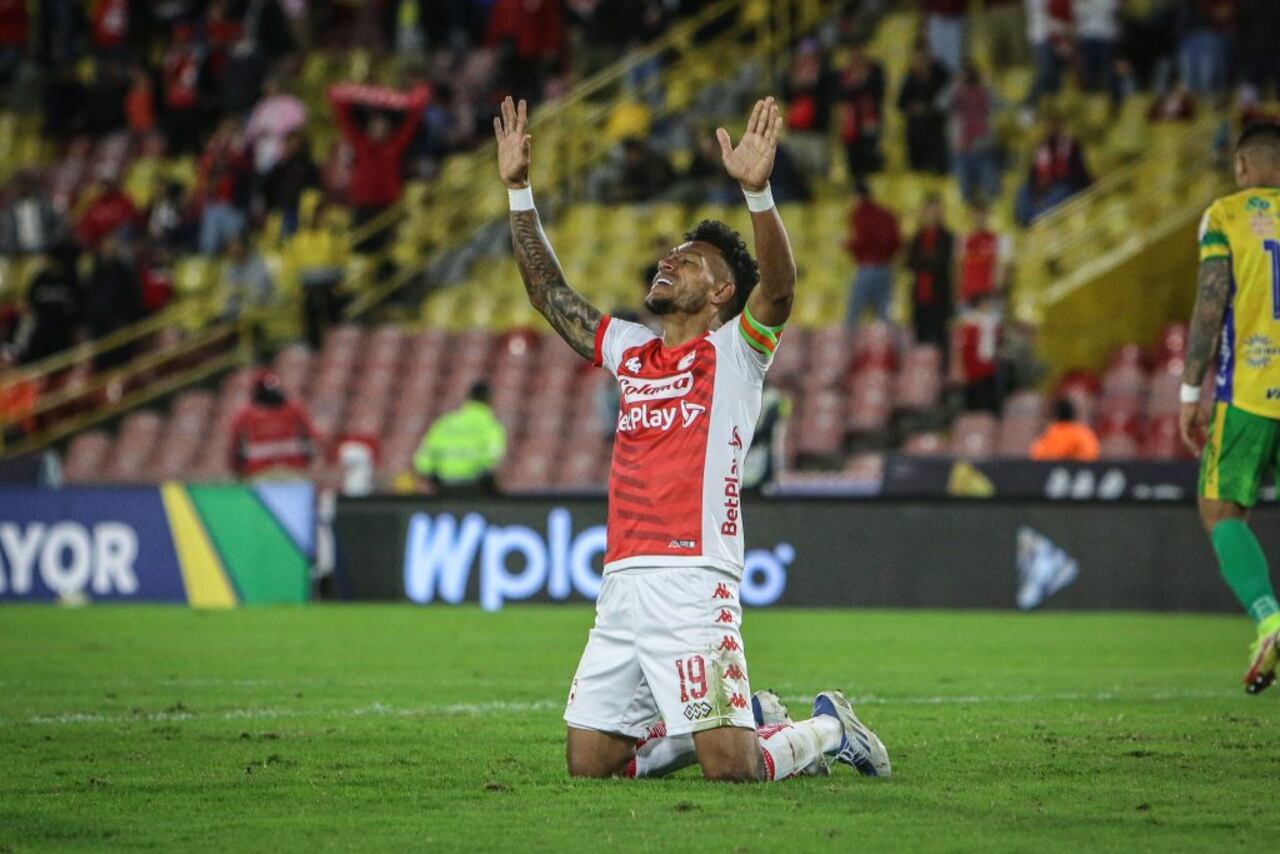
(571, 315)
(1206, 320)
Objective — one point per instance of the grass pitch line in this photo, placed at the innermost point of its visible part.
(378, 709)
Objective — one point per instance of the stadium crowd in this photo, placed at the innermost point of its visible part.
(218, 84)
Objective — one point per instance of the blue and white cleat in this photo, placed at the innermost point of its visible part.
(860, 748)
(768, 710)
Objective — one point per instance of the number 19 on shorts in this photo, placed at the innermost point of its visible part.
(693, 678)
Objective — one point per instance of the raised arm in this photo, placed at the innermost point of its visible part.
(750, 163)
(568, 313)
(1212, 293)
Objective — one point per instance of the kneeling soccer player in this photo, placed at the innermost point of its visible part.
(666, 646)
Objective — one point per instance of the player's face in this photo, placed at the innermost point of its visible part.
(685, 280)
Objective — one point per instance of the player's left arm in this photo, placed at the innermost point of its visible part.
(1212, 294)
(751, 163)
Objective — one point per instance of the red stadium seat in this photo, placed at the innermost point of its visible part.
(926, 445)
(919, 384)
(86, 457)
(870, 404)
(1118, 446)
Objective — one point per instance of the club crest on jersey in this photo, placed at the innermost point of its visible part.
(686, 361)
(632, 365)
(642, 389)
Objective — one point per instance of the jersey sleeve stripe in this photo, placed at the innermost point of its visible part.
(598, 356)
(757, 341)
(1214, 238)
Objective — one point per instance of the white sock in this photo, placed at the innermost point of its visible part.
(661, 755)
(790, 748)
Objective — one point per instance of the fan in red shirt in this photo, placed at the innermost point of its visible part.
(873, 242)
(984, 258)
(975, 351)
(376, 179)
(110, 210)
(271, 434)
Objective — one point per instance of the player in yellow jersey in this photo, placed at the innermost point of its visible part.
(1238, 307)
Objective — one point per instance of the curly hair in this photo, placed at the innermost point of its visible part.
(745, 271)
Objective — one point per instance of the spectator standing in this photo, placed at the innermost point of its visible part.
(272, 436)
(53, 303)
(1049, 31)
(946, 28)
(109, 22)
(860, 93)
(246, 281)
(317, 253)
(243, 74)
(1058, 172)
(873, 242)
(806, 90)
(930, 257)
(1097, 28)
(921, 101)
(530, 36)
(168, 223)
(463, 449)
(273, 120)
(975, 354)
(292, 175)
(182, 72)
(643, 174)
(1207, 28)
(140, 103)
(113, 298)
(376, 179)
(221, 186)
(1067, 438)
(973, 105)
(110, 210)
(984, 259)
(29, 224)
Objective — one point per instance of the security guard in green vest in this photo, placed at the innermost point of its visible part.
(463, 449)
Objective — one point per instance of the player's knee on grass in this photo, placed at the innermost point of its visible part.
(729, 755)
(597, 754)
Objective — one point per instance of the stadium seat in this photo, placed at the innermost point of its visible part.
(86, 457)
(973, 436)
(926, 445)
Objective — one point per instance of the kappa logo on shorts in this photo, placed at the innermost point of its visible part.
(697, 711)
(724, 617)
(722, 592)
(729, 644)
(738, 701)
(733, 671)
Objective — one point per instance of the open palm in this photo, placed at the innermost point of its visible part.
(513, 143)
(751, 162)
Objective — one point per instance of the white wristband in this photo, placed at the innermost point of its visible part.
(1189, 393)
(758, 202)
(521, 199)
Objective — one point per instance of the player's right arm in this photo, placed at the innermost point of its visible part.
(575, 319)
(1212, 293)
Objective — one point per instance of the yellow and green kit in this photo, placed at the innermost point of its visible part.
(1243, 445)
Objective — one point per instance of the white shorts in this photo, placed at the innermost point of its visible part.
(666, 646)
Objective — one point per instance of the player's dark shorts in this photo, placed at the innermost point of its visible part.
(1241, 450)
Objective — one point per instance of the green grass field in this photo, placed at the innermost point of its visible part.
(391, 727)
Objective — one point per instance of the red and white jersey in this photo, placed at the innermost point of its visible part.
(685, 423)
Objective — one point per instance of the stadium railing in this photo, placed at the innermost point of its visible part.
(1111, 245)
